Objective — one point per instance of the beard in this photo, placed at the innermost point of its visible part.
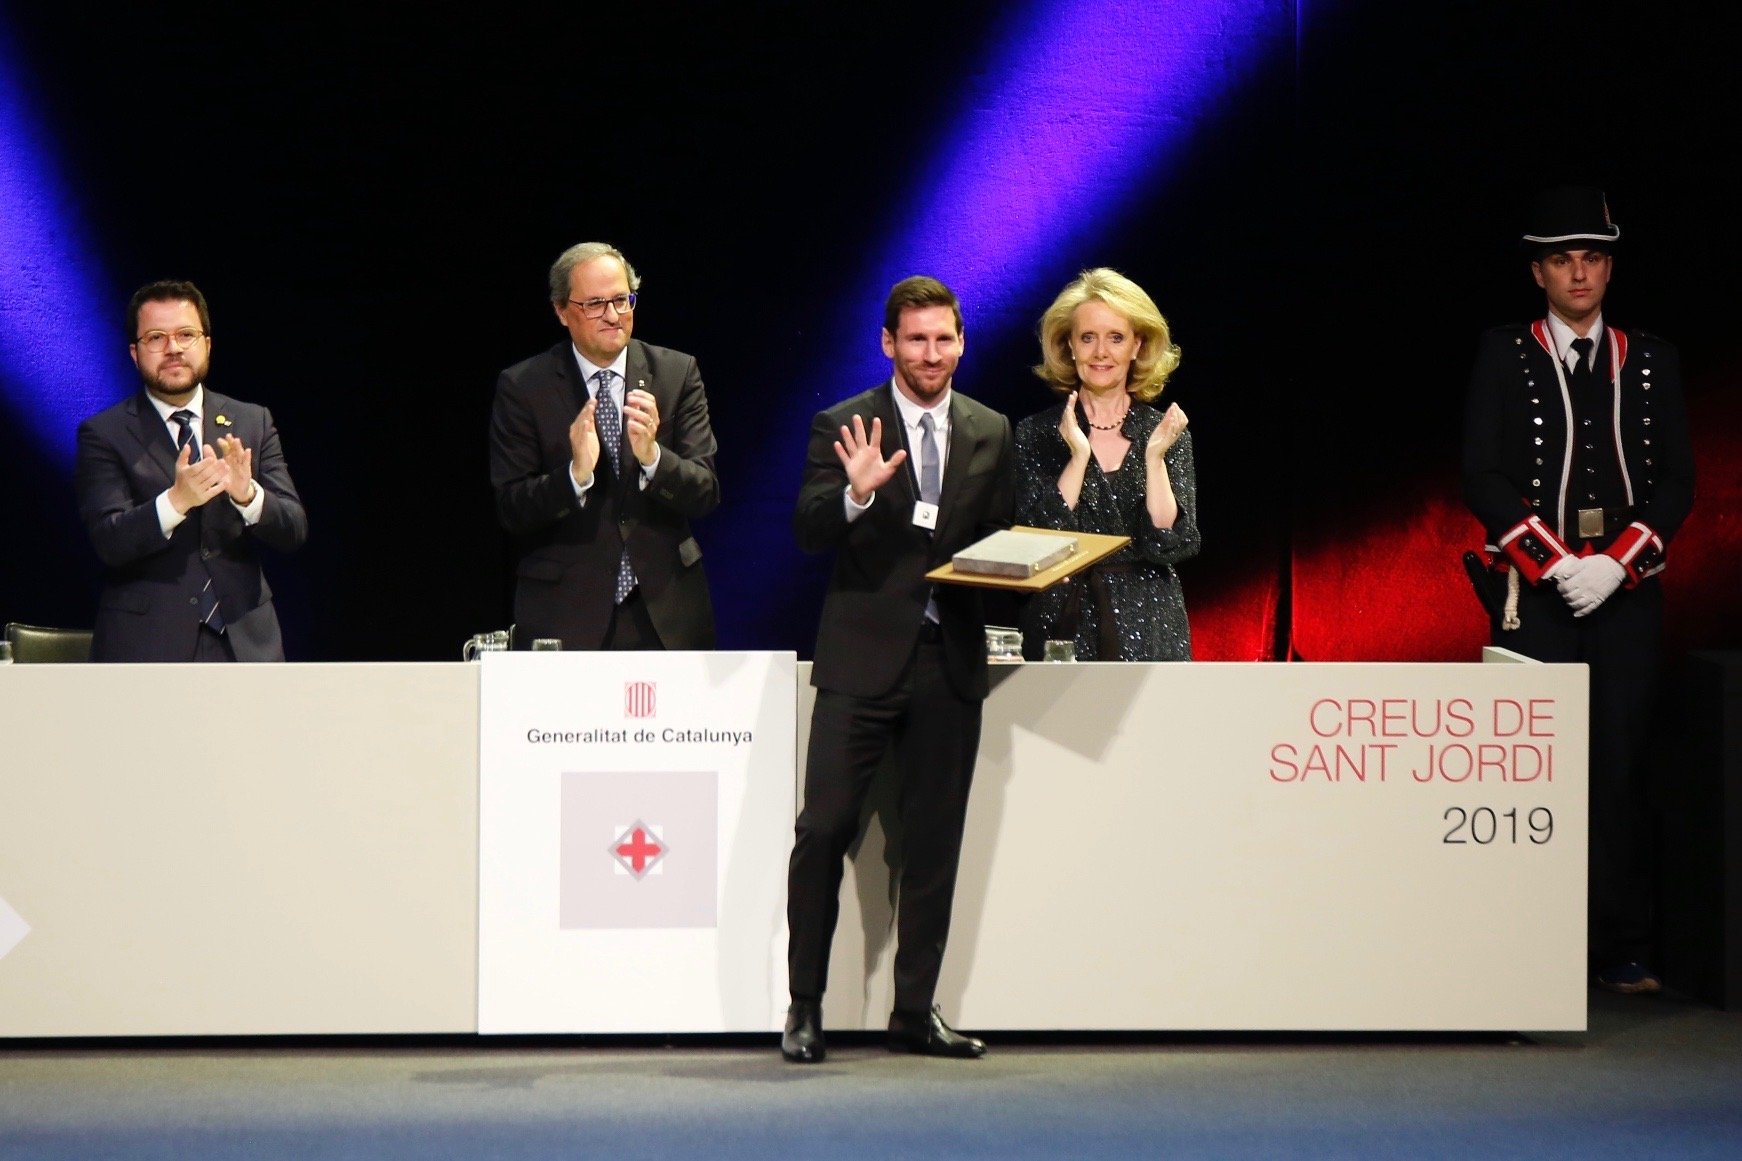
(154, 382)
(916, 388)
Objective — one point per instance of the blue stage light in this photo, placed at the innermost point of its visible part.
(1081, 110)
(62, 354)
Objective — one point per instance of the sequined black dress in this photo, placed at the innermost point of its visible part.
(1138, 583)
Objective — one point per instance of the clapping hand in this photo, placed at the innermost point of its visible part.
(1166, 433)
(1076, 439)
(584, 444)
(240, 461)
(641, 419)
(197, 481)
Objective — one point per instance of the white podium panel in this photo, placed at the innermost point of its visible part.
(1149, 846)
(295, 853)
(1208, 846)
(635, 810)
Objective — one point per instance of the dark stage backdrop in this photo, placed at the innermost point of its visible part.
(370, 197)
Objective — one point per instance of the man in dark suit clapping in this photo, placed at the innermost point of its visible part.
(601, 454)
(178, 486)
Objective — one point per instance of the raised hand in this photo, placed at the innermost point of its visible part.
(862, 457)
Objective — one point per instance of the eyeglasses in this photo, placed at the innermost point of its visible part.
(158, 341)
(595, 307)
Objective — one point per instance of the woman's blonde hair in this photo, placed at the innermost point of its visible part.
(1156, 357)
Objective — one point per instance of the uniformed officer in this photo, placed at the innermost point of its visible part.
(1577, 463)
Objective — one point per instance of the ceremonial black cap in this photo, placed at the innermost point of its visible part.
(1568, 214)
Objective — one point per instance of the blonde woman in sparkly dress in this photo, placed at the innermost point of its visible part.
(1107, 459)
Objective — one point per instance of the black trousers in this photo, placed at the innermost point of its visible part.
(1622, 642)
(935, 738)
(631, 627)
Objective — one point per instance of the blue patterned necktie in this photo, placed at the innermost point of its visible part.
(209, 614)
(930, 487)
(610, 424)
(185, 420)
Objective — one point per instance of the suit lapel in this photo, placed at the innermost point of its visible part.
(217, 407)
(153, 436)
(636, 377)
(964, 436)
(895, 439)
(218, 512)
(635, 370)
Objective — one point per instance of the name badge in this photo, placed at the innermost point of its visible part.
(925, 515)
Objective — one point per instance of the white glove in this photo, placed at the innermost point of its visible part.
(1589, 582)
(1562, 567)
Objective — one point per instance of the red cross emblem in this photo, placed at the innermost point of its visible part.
(638, 849)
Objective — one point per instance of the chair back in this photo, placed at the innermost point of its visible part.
(35, 644)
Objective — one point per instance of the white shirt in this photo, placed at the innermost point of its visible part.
(619, 368)
(1563, 335)
(168, 519)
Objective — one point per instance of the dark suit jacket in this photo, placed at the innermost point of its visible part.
(149, 608)
(877, 593)
(568, 566)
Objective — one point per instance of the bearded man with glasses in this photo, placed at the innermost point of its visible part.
(178, 487)
(600, 455)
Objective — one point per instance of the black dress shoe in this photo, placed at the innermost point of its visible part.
(928, 1035)
(802, 1042)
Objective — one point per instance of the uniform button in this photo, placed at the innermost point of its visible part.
(1592, 496)
(193, 600)
(1539, 461)
(1590, 471)
(1648, 386)
(1590, 447)
(1536, 401)
(1648, 461)
(1518, 342)
(1537, 421)
(1539, 441)
(1646, 421)
(1648, 443)
(1587, 423)
(1647, 372)
(1530, 383)
(1536, 483)
(1536, 503)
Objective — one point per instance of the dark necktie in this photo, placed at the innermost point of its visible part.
(209, 614)
(185, 438)
(610, 423)
(1582, 357)
(930, 487)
